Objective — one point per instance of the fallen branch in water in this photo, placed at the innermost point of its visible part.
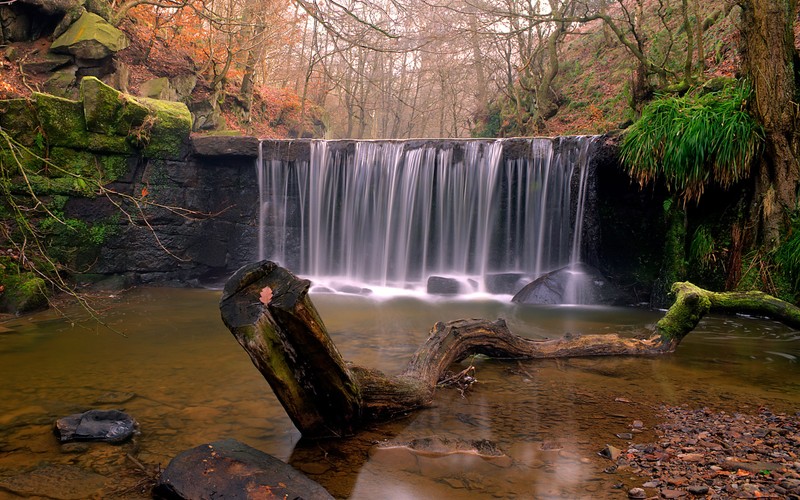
(269, 312)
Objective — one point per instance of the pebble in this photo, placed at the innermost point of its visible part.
(698, 490)
(636, 493)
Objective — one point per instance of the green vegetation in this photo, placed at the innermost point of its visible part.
(52, 149)
(692, 141)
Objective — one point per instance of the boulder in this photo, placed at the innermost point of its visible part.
(576, 284)
(220, 145)
(46, 64)
(62, 83)
(90, 37)
(158, 88)
(22, 293)
(441, 285)
(232, 470)
(506, 283)
(109, 111)
(184, 85)
(206, 115)
(168, 138)
(111, 426)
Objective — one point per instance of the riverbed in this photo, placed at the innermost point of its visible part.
(167, 359)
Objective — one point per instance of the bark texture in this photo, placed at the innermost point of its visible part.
(769, 58)
(269, 312)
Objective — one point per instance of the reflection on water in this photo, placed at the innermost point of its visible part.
(185, 379)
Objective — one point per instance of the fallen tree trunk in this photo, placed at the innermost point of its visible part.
(269, 312)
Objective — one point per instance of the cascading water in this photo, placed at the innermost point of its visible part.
(392, 214)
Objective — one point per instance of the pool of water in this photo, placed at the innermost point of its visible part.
(172, 364)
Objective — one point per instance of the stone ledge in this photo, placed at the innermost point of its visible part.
(215, 145)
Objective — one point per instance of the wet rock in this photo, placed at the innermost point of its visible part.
(578, 284)
(440, 285)
(112, 426)
(230, 469)
(506, 283)
(636, 493)
(672, 493)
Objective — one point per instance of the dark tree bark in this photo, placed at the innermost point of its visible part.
(768, 59)
(269, 312)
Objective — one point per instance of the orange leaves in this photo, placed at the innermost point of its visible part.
(265, 296)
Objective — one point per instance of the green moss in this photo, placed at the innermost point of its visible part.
(62, 120)
(45, 186)
(10, 161)
(113, 167)
(691, 304)
(72, 161)
(109, 111)
(76, 242)
(166, 135)
(18, 118)
(101, 104)
(23, 292)
(114, 144)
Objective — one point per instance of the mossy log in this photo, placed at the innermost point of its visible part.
(269, 312)
(692, 303)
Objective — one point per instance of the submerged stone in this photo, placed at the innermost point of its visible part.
(59, 482)
(232, 470)
(112, 426)
(441, 457)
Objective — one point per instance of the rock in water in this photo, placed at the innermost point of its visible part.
(232, 470)
(576, 284)
(112, 426)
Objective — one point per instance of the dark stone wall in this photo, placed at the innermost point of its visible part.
(195, 225)
(212, 226)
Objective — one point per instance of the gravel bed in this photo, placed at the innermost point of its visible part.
(714, 454)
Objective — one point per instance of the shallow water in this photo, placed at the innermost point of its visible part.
(181, 374)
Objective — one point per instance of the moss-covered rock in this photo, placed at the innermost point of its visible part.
(22, 292)
(62, 120)
(11, 160)
(18, 119)
(90, 37)
(166, 136)
(109, 111)
(74, 161)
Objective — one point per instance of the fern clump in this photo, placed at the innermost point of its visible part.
(693, 141)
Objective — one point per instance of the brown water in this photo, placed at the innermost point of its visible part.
(181, 374)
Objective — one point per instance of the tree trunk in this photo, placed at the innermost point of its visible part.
(269, 312)
(768, 58)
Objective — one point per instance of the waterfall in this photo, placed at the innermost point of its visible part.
(393, 214)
